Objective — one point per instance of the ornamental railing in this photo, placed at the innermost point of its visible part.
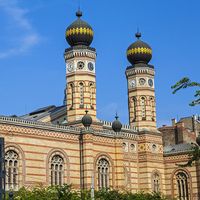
(124, 126)
(127, 131)
(37, 124)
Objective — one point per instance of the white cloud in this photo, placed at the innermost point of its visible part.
(26, 43)
(28, 36)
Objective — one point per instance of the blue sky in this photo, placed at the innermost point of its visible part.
(33, 42)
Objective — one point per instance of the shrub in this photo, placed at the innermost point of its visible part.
(66, 192)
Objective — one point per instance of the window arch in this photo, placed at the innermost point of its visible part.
(156, 181)
(12, 170)
(103, 173)
(182, 185)
(71, 92)
(57, 170)
(134, 108)
(81, 90)
(143, 107)
(152, 105)
(91, 94)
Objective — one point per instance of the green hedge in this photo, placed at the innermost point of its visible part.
(67, 193)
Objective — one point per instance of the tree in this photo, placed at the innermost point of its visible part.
(185, 83)
(66, 192)
(194, 155)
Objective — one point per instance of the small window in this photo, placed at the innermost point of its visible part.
(125, 147)
(132, 147)
(154, 148)
(156, 182)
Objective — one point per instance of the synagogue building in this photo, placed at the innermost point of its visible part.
(69, 144)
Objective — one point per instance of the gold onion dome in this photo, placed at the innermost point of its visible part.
(79, 32)
(139, 51)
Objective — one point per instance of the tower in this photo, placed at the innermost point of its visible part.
(80, 61)
(140, 82)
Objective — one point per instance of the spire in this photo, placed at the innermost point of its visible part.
(79, 13)
(86, 111)
(138, 34)
(116, 116)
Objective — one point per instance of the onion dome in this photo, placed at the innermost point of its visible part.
(86, 120)
(79, 32)
(139, 51)
(116, 125)
(198, 140)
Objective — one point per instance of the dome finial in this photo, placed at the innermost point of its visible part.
(138, 34)
(86, 120)
(79, 13)
(116, 125)
(116, 116)
(86, 111)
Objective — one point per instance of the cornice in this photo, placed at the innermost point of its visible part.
(72, 53)
(140, 70)
(67, 129)
(38, 125)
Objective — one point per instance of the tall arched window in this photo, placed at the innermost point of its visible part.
(103, 173)
(182, 186)
(152, 108)
(72, 95)
(134, 108)
(156, 182)
(81, 90)
(57, 170)
(143, 107)
(11, 166)
(91, 94)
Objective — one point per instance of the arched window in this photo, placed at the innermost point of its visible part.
(12, 168)
(81, 90)
(57, 170)
(143, 107)
(134, 108)
(152, 108)
(156, 182)
(103, 173)
(182, 186)
(72, 95)
(91, 94)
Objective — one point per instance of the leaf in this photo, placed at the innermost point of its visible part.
(185, 83)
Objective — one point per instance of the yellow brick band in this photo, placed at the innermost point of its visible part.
(139, 50)
(85, 31)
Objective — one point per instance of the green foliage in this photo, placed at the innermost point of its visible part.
(66, 192)
(50, 193)
(194, 156)
(185, 83)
